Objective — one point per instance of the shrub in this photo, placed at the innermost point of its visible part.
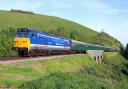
(21, 11)
(6, 39)
(73, 81)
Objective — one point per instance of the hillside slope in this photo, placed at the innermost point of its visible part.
(91, 75)
(10, 21)
(69, 72)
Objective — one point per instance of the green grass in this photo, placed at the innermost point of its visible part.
(41, 22)
(14, 74)
(72, 71)
(92, 75)
(10, 21)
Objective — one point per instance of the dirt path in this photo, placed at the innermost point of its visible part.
(33, 59)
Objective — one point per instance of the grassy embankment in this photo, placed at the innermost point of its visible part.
(74, 72)
(10, 21)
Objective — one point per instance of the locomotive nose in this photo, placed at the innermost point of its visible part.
(21, 43)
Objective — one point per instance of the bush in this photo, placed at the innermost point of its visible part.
(105, 39)
(73, 81)
(6, 42)
(64, 81)
(21, 11)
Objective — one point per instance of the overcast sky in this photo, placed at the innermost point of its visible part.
(110, 15)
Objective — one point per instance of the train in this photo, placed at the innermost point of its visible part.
(29, 42)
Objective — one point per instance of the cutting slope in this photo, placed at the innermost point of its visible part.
(10, 21)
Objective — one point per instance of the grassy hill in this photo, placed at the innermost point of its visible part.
(69, 72)
(10, 21)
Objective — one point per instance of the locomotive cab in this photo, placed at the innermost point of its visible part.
(21, 39)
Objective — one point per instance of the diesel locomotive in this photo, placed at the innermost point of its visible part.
(29, 42)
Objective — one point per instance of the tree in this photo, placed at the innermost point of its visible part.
(124, 51)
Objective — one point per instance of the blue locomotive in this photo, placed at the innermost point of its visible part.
(33, 41)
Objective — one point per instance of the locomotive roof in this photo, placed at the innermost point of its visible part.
(39, 32)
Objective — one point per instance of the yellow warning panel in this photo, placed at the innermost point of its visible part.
(21, 43)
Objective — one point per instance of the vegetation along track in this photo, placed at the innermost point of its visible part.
(9, 60)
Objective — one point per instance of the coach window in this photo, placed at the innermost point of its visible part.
(73, 44)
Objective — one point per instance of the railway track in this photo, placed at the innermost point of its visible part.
(12, 58)
(9, 60)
